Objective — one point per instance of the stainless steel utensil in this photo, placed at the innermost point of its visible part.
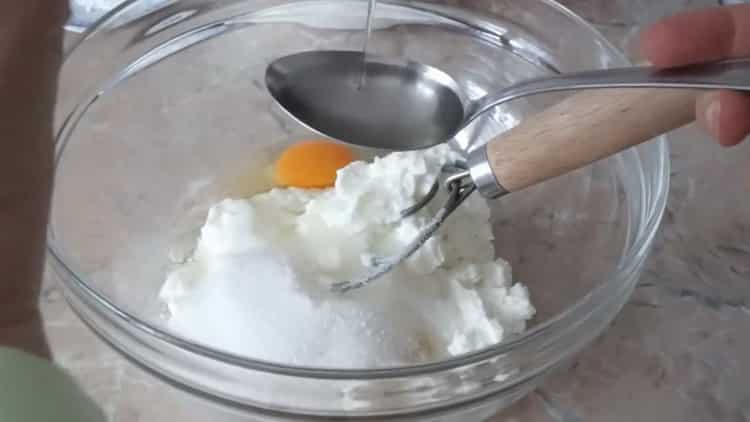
(406, 105)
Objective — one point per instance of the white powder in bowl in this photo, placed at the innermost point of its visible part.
(258, 283)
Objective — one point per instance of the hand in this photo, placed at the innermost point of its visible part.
(30, 58)
(700, 36)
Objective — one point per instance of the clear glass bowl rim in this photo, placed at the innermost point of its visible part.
(630, 262)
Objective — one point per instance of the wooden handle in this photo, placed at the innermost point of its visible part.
(584, 128)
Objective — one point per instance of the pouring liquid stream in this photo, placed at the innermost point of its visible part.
(368, 30)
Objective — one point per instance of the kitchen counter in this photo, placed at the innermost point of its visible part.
(679, 351)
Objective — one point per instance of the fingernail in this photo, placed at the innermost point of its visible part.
(709, 108)
(712, 116)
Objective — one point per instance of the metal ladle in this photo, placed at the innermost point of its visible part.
(406, 105)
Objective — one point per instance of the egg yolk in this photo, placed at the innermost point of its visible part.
(311, 164)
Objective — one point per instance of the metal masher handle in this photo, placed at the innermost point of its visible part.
(594, 123)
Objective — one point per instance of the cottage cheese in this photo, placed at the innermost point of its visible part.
(259, 281)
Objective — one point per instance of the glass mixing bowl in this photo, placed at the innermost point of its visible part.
(163, 114)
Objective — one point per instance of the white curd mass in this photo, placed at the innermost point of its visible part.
(258, 283)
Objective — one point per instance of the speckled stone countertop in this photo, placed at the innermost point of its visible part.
(679, 351)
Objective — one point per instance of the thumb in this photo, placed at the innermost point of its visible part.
(725, 115)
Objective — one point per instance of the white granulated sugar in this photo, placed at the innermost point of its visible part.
(258, 283)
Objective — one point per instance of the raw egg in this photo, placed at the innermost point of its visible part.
(311, 164)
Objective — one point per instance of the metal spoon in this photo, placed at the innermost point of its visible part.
(584, 128)
(407, 105)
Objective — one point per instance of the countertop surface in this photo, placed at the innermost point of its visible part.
(679, 351)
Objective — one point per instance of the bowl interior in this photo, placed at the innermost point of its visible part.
(182, 119)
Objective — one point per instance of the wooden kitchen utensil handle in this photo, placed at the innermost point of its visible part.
(584, 128)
